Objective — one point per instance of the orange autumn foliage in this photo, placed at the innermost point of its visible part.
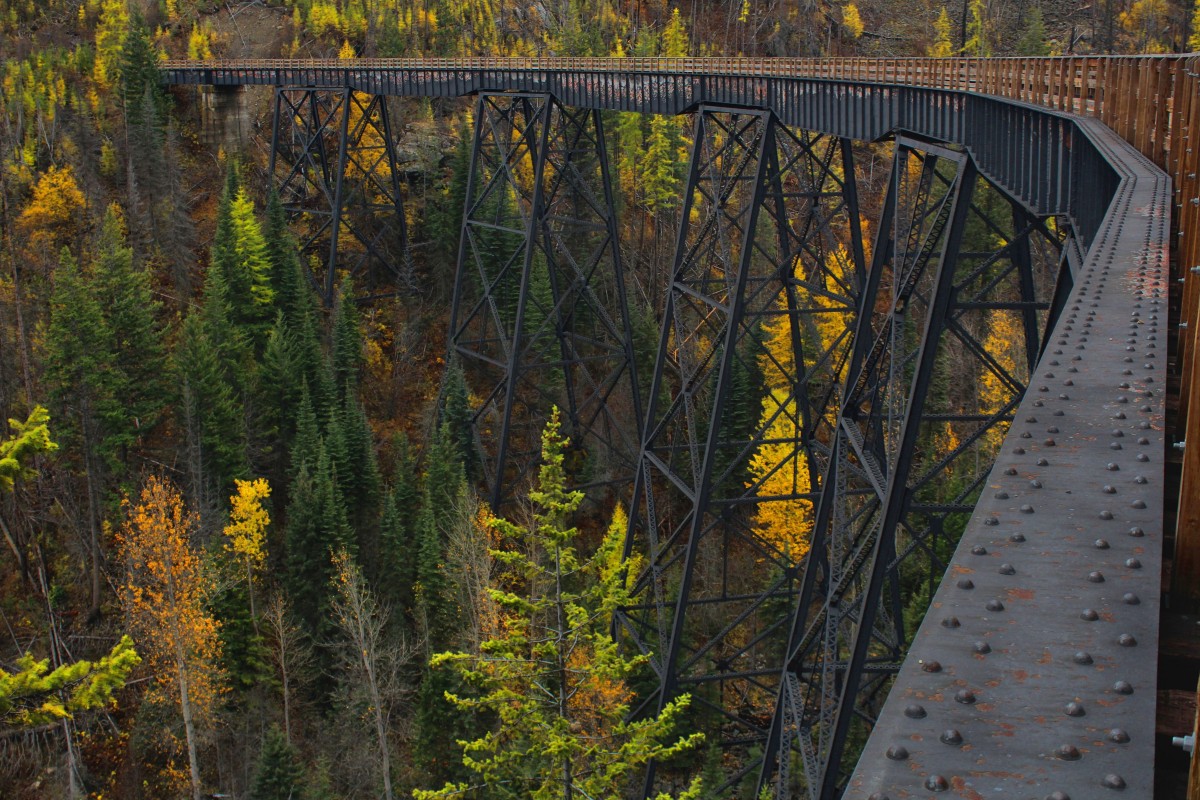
(166, 597)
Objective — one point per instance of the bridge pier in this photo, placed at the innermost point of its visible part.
(539, 315)
(333, 161)
(224, 116)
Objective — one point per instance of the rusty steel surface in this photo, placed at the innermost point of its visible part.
(1034, 670)
(1033, 675)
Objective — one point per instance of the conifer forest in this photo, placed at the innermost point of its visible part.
(247, 547)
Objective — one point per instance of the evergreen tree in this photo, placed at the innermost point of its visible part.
(277, 399)
(306, 554)
(84, 386)
(129, 307)
(456, 417)
(241, 257)
(307, 443)
(243, 651)
(279, 774)
(362, 485)
(212, 413)
(435, 600)
(553, 675)
(347, 344)
(444, 479)
(287, 280)
(1033, 35)
(397, 570)
(139, 74)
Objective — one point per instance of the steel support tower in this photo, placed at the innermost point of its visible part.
(333, 163)
(540, 316)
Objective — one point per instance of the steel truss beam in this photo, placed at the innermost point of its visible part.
(539, 316)
(333, 161)
(768, 267)
(799, 400)
(961, 287)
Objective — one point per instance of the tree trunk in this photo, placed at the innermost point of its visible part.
(92, 479)
(189, 727)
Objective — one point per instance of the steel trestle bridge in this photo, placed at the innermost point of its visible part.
(802, 478)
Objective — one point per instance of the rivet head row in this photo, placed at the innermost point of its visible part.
(951, 736)
(897, 752)
(915, 711)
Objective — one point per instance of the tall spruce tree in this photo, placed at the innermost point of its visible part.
(212, 415)
(279, 774)
(80, 371)
(552, 675)
(456, 417)
(124, 293)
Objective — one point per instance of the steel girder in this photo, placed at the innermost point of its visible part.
(539, 315)
(333, 161)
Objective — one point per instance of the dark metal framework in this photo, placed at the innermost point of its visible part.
(539, 316)
(854, 437)
(333, 160)
(851, 446)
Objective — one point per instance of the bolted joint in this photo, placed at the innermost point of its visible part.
(1180, 445)
(1186, 743)
(1195, 270)
(1183, 326)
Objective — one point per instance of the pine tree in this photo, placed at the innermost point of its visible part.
(660, 190)
(84, 385)
(212, 414)
(277, 400)
(1033, 35)
(307, 443)
(139, 74)
(305, 551)
(397, 572)
(124, 293)
(435, 602)
(553, 675)
(456, 417)
(287, 281)
(347, 344)
(363, 484)
(241, 257)
(279, 774)
(316, 529)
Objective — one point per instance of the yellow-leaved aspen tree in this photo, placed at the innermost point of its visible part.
(166, 594)
(247, 530)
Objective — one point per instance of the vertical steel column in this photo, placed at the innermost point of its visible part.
(334, 164)
(540, 315)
